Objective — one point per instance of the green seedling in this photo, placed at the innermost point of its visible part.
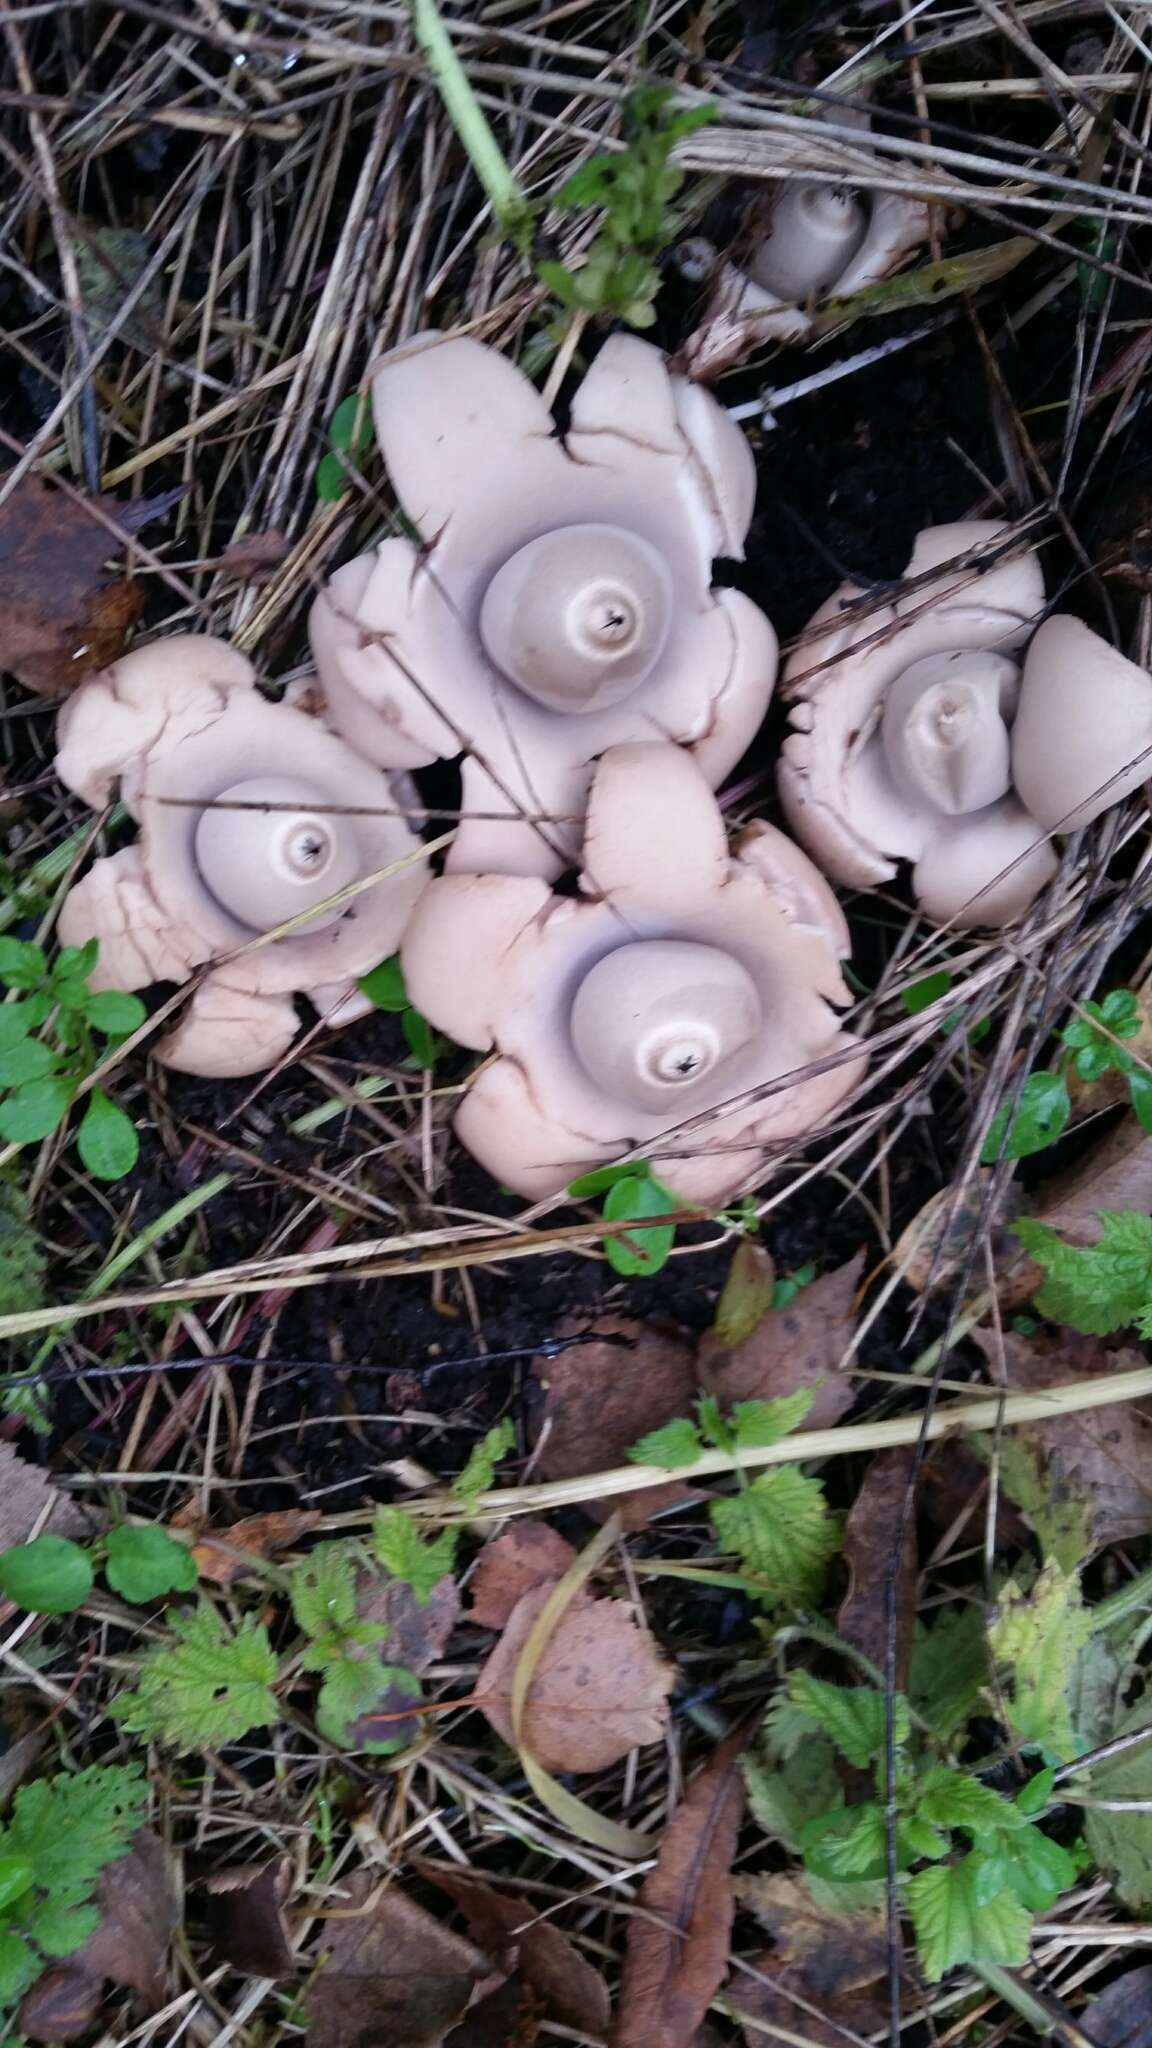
(53, 1575)
(1090, 1045)
(349, 439)
(62, 1833)
(384, 987)
(632, 1192)
(40, 1075)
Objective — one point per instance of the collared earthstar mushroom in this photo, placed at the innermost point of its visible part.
(561, 602)
(657, 1010)
(243, 827)
(918, 735)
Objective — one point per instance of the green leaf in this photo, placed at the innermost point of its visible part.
(350, 427)
(323, 1591)
(852, 1844)
(16, 1021)
(781, 1530)
(954, 1926)
(22, 965)
(106, 1139)
(851, 1716)
(143, 1564)
(1100, 1287)
(949, 1669)
(27, 1060)
(1036, 1794)
(1041, 1114)
(70, 1826)
(1139, 1089)
(408, 1555)
(480, 1471)
(60, 1930)
(115, 1013)
(560, 281)
(16, 1877)
(50, 1575)
(757, 1424)
(747, 1294)
(1061, 1510)
(75, 963)
(385, 986)
(424, 1044)
(210, 1685)
(19, 1966)
(1036, 1869)
(949, 1798)
(1121, 1842)
(643, 1251)
(604, 1177)
(785, 1796)
(352, 1689)
(331, 479)
(35, 1110)
(675, 1443)
(920, 995)
(1035, 1640)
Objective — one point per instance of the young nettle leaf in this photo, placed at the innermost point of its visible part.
(853, 1717)
(952, 1799)
(1095, 1288)
(483, 1459)
(756, 1425)
(676, 1443)
(50, 1575)
(1029, 1864)
(949, 1669)
(848, 1845)
(1035, 1639)
(323, 1593)
(143, 1564)
(62, 1833)
(956, 1922)
(210, 1685)
(781, 1530)
(401, 1548)
(106, 1138)
(798, 1788)
(1040, 1116)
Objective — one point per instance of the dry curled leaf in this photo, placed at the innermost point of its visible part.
(573, 1992)
(392, 1975)
(253, 557)
(823, 1979)
(246, 1918)
(602, 1398)
(140, 1910)
(792, 1347)
(61, 615)
(29, 1502)
(1102, 1455)
(509, 2018)
(870, 1535)
(527, 1555)
(225, 1556)
(937, 1246)
(600, 1687)
(677, 1951)
(1120, 2016)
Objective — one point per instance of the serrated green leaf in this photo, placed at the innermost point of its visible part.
(756, 1424)
(1037, 1869)
(953, 1926)
(68, 1827)
(1097, 1288)
(1041, 1114)
(143, 1564)
(50, 1575)
(781, 1530)
(323, 1591)
(641, 1251)
(1035, 1640)
(951, 1799)
(786, 1795)
(848, 1845)
(949, 1669)
(401, 1548)
(480, 1471)
(35, 1110)
(106, 1138)
(210, 1685)
(60, 1930)
(1121, 1841)
(675, 1443)
(851, 1716)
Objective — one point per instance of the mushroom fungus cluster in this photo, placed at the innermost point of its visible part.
(561, 599)
(919, 736)
(251, 815)
(675, 1009)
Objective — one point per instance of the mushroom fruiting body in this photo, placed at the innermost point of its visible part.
(918, 735)
(651, 1012)
(561, 602)
(251, 814)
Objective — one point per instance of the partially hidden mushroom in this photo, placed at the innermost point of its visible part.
(560, 600)
(251, 815)
(924, 733)
(682, 1006)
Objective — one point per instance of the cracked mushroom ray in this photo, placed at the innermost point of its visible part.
(687, 980)
(238, 802)
(562, 600)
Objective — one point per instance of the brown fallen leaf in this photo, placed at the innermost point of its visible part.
(869, 1537)
(61, 616)
(573, 1992)
(602, 1398)
(677, 1952)
(776, 1998)
(392, 1975)
(834, 1952)
(411, 1636)
(1101, 1454)
(746, 1295)
(29, 1501)
(223, 1558)
(600, 1688)
(1120, 2016)
(1115, 1174)
(253, 557)
(528, 1554)
(936, 1246)
(141, 1911)
(509, 2018)
(792, 1347)
(246, 1918)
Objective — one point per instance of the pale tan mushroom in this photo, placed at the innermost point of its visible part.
(251, 815)
(562, 602)
(903, 744)
(657, 1011)
(1082, 740)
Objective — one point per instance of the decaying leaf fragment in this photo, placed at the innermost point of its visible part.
(29, 1503)
(527, 1555)
(392, 1976)
(600, 1687)
(677, 1952)
(224, 1556)
(834, 1962)
(572, 1990)
(140, 1910)
(873, 1528)
(246, 1917)
(799, 1345)
(602, 1398)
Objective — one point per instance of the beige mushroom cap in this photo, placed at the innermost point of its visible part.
(562, 601)
(685, 984)
(1082, 740)
(813, 232)
(985, 869)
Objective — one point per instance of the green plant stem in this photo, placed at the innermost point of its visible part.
(509, 200)
(1014, 1992)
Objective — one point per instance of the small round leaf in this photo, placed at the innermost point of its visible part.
(48, 1576)
(35, 1110)
(384, 986)
(641, 1251)
(27, 1060)
(143, 1564)
(114, 1012)
(106, 1139)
